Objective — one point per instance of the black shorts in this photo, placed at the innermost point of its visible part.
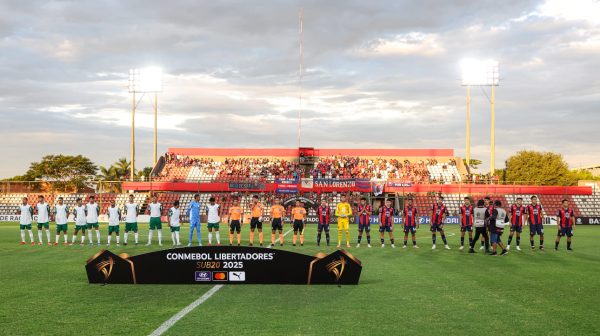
(276, 224)
(255, 223)
(298, 225)
(235, 226)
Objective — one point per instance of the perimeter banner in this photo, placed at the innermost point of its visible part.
(225, 265)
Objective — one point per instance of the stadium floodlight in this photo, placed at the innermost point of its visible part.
(146, 80)
(480, 73)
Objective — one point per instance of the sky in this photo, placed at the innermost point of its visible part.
(377, 74)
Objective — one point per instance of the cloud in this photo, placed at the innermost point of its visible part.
(410, 44)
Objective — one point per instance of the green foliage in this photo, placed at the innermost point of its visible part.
(474, 163)
(66, 172)
(539, 168)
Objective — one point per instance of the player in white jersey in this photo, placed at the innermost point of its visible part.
(155, 211)
(43, 221)
(61, 215)
(175, 223)
(114, 217)
(92, 211)
(131, 212)
(80, 221)
(26, 212)
(213, 212)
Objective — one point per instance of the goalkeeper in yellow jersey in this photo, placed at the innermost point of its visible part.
(343, 211)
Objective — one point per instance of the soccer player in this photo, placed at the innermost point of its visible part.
(343, 211)
(213, 212)
(114, 218)
(131, 212)
(364, 221)
(43, 211)
(193, 213)
(410, 223)
(155, 211)
(386, 222)
(489, 207)
(277, 211)
(235, 221)
(324, 213)
(535, 218)
(174, 224)
(466, 222)
(26, 212)
(61, 215)
(256, 220)
(497, 219)
(92, 211)
(439, 212)
(517, 211)
(80, 221)
(298, 214)
(480, 230)
(566, 222)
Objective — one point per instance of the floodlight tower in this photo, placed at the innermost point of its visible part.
(481, 73)
(147, 80)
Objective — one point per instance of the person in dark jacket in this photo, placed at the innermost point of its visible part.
(498, 218)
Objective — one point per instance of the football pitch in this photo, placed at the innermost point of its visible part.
(402, 291)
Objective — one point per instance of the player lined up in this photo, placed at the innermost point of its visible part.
(488, 218)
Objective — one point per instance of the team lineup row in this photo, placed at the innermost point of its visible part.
(487, 219)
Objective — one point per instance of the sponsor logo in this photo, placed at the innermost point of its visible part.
(337, 268)
(219, 276)
(105, 267)
(237, 276)
(203, 275)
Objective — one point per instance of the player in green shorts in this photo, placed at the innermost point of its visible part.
(61, 215)
(155, 211)
(26, 212)
(43, 212)
(175, 222)
(114, 216)
(80, 221)
(92, 211)
(131, 212)
(213, 213)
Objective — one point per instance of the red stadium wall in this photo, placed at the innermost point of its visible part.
(293, 152)
(419, 188)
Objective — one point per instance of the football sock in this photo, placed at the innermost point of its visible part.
(568, 244)
(392, 241)
(30, 235)
(531, 242)
(98, 236)
(433, 239)
(90, 236)
(462, 241)
(209, 238)
(82, 238)
(358, 239)
(173, 238)
(177, 238)
(23, 235)
(327, 237)
(159, 236)
(135, 236)
(509, 240)
(40, 235)
(66, 238)
(347, 236)
(117, 238)
(108, 239)
(57, 238)
(218, 237)
(444, 239)
(518, 241)
(125, 237)
(149, 236)
(541, 242)
(368, 239)
(414, 242)
(319, 238)
(48, 235)
(339, 236)
(470, 242)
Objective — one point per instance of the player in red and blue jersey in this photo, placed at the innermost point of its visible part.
(535, 218)
(566, 224)
(439, 212)
(386, 222)
(410, 222)
(324, 212)
(517, 213)
(466, 222)
(364, 221)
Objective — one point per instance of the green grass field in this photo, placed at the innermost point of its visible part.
(402, 291)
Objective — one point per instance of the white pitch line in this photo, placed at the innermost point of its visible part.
(170, 322)
(175, 318)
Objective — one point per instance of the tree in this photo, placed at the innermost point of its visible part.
(144, 173)
(543, 168)
(109, 175)
(474, 163)
(122, 167)
(65, 171)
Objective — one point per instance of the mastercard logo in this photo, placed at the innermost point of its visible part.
(220, 276)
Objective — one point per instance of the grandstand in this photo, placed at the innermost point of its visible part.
(421, 174)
